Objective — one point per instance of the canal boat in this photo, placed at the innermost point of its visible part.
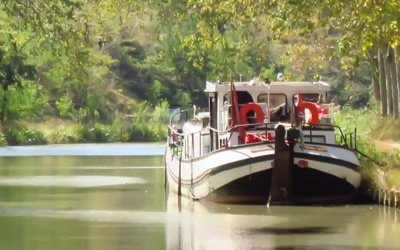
(262, 143)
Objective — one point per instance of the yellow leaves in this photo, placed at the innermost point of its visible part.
(394, 44)
(205, 9)
(347, 85)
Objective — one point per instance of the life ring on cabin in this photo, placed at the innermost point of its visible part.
(302, 106)
(251, 107)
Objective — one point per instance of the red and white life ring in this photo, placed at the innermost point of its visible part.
(251, 107)
(302, 106)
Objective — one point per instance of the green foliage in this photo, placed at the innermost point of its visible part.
(99, 133)
(122, 128)
(64, 106)
(171, 57)
(64, 135)
(142, 133)
(184, 100)
(149, 123)
(92, 104)
(3, 140)
(142, 72)
(156, 92)
(365, 121)
(19, 135)
(26, 102)
(13, 68)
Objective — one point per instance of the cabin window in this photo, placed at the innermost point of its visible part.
(315, 98)
(277, 106)
(243, 97)
(276, 100)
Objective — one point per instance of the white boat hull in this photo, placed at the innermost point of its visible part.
(243, 174)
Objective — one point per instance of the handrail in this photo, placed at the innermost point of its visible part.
(311, 128)
(267, 126)
(343, 138)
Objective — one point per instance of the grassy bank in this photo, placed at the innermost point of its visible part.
(146, 124)
(62, 132)
(377, 138)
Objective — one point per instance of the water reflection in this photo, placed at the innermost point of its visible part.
(70, 181)
(119, 202)
(215, 226)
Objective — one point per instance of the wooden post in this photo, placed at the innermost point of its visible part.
(382, 82)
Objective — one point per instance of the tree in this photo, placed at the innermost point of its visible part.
(12, 69)
(360, 27)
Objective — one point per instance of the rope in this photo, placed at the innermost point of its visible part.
(375, 161)
(369, 158)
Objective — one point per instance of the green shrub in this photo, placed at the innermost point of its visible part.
(99, 133)
(142, 134)
(24, 136)
(366, 122)
(149, 123)
(62, 136)
(64, 106)
(122, 129)
(3, 140)
(26, 102)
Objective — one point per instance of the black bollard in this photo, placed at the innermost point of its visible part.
(281, 190)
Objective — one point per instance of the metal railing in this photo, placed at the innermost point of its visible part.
(188, 140)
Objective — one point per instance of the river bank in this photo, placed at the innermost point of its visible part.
(381, 182)
(389, 146)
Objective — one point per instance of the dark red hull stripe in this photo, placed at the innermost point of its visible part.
(329, 160)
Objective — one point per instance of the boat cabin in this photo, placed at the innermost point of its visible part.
(275, 100)
(260, 107)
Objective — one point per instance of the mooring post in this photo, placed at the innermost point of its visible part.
(375, 196)
(180, 176)
(384, 197)
(281, 189)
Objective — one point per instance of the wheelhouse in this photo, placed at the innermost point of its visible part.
(276, 101)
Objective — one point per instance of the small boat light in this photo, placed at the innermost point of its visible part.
(303, 164)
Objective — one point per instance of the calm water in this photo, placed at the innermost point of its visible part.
(118, 202)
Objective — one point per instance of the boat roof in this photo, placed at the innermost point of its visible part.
(263, 86)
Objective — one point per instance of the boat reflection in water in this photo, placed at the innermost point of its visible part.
(208, 225)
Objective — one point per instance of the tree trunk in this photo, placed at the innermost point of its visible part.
(389, 83)
(374, 65)
(397, 64)
(382, 82)
(393, 77)
(3, 107)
